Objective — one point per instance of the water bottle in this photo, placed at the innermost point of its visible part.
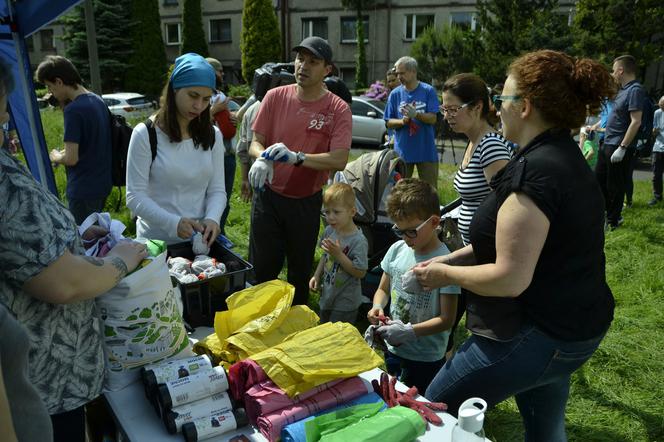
(470, 421)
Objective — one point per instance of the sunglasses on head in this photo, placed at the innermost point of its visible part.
(410, 233)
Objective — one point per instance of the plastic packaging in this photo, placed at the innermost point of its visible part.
(470, 421)
(207, 427)
(216, 404)
(172, 370)
(191, 388)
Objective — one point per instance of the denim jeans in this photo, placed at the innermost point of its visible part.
(81, 209)
(657, 171)
(532, 367)
(413, 373)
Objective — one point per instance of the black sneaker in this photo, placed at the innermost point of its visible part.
(614, 226)
(654, 201)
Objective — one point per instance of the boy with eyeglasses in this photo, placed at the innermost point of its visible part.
(345, 259)
(417, 332)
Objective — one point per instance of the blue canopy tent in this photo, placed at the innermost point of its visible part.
(19, 19)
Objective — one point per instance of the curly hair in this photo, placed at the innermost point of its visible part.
(563, 88)
(412, 198)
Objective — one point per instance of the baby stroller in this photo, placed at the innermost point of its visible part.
(372, 177)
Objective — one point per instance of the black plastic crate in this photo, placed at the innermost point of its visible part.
(204, 298)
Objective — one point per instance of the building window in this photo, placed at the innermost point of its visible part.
(348, 76)
(314, 27)
(170, 2)
(349, 29)
(220, 30)
(47, 41)
(463, 20)
(29, 43)
(415, 24)
(173, 33)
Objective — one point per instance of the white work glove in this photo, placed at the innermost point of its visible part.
(409, 110)
(396, 332)
(261, 171)
(618, 155)
(410, 283)
(280, 152)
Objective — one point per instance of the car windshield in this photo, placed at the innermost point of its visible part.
(379, 104)
(138, 100)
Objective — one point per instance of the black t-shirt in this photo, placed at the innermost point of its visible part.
(568, 297)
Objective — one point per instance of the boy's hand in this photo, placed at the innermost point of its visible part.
(396, 332)
(375, 314)
(313, 284)
(333, 248)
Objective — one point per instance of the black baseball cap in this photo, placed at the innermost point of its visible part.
(317, 46)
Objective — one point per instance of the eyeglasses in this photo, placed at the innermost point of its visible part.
(452, 110)
(410, 233)
(498, 99)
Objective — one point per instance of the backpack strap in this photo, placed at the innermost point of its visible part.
(152, 134)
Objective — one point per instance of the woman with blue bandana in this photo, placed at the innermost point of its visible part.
(180, 190)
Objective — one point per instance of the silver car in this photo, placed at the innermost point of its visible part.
(368, 123)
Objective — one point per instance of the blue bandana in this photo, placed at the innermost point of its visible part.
(192, 70)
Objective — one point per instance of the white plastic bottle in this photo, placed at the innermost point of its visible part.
(470, 421)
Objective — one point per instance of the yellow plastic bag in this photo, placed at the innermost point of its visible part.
(210, 346)
(317, 355)
(242, 345)
(269, 301)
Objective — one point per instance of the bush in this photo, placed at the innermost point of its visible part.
(260, 41)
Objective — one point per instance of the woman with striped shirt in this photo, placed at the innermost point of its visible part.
(466, 109)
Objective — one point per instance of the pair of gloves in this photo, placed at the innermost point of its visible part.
(393, 332)
(263, 168)
(386, 389)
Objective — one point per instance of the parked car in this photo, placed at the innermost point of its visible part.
(368, 123)
(129, 104)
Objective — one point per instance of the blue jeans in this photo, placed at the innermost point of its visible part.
(532, 367)
(81, 209)
(229, 177)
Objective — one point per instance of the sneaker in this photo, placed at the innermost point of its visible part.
(621, 220)
(627, 205)
(654, 201)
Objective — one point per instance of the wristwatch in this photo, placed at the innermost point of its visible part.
(300, 157)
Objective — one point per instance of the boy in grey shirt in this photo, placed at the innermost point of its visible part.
(344, 262)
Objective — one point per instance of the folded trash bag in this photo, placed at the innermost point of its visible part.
(270, 425)
(296, 432)
(265, 397)
(396, 424)
(242, 376)
(337, 420)
(317, 355)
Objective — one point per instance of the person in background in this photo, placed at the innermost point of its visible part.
(345, 259)
(391, 80)
(87, 137)
(48, 285)
(537, 239)
(226, 122)
(657, 153)
(182, 190)
(411, 112)
(467, 111)
(244, 141)
(416, 335)
(615, 155)
(301, 133)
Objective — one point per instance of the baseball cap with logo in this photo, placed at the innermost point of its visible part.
(317, 46)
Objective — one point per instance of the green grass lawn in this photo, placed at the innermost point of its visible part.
(616, 396)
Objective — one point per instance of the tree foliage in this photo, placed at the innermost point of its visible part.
(147, 66)
(193, 36)
(114, 44)
(605, 29)
(359, 6)
(512, 27)
(444, 51)
(260, 38)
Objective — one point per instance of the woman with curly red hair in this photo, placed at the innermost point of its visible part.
(538, 239)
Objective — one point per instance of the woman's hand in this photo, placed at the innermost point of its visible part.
(187, 227)
(432, 275)
(210, 230)
(438, 259)
(93, 233)
(131, 253)
(246, 191)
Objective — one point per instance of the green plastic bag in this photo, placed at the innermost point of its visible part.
(155, 247)
(397, 424)
(336, 420)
